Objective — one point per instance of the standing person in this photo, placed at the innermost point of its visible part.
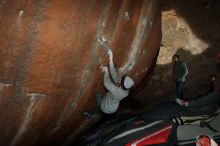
(117, 90)
(180, 72)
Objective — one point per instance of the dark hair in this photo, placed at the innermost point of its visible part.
(177, 56)
(123, 81)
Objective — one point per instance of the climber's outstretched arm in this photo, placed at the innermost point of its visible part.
(112, 68)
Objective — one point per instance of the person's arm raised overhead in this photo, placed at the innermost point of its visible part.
(109, 85)
(112, 68)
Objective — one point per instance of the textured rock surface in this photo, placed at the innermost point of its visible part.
(191, 29)
(50, 55)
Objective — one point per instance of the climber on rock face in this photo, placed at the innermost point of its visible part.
(180, 72)
(117, 90)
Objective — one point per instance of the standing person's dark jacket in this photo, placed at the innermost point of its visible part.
(180, 71)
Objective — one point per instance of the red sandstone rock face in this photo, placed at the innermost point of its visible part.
(50, 55)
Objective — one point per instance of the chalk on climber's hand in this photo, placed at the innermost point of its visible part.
(104, 68)
(110, 52)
